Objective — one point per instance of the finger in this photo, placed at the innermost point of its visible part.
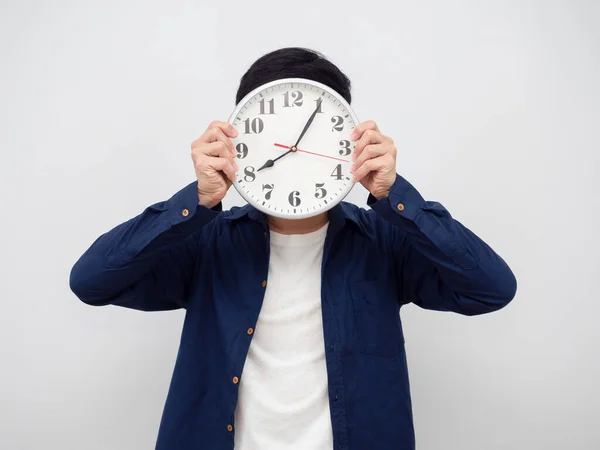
(359, 129)
(222, 164)
(368, 167)
(217, 134)
(226, 127)
(369, 152)
(218, 149)
(369, 137)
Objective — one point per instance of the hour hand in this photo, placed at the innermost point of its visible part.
(269, 163)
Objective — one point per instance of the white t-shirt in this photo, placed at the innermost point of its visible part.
(283, 401)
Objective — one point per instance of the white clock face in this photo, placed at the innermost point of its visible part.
(313, 176)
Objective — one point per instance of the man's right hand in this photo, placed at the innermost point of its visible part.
(214, 161)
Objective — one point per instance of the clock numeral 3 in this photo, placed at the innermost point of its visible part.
(242, 150)
(256, 126)
(269, 188)
(296, 99)
(294, 198)
(345, 150)
(337, 172)
(321, 192)
(338, 123)
(250, 176)
(271, 104)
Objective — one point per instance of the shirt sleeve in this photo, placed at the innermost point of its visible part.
(145, 263)
(442, 265)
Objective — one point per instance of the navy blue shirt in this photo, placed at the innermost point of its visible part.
(178, 254)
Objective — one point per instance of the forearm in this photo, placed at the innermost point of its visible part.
(122, 257)
(427, 236)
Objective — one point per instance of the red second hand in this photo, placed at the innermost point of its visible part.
(311, 153)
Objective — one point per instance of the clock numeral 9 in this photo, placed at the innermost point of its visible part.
(269, 188)
(249, 176)
(294, 198)
(256, 126)
(338, 123)
(337, 172)
(321, 192)
(242, 150)
(297, 99)
(345, 150)
(271, 107)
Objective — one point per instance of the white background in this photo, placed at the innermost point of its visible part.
(494, 106)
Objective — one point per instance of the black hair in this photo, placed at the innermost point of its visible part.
(294, 62)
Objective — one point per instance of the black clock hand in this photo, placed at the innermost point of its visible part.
(310, 120)
(271, 162)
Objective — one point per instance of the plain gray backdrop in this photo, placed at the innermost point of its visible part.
(493, 105)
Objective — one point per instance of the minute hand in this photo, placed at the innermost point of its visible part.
(312, 117)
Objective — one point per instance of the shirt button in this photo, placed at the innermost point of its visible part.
(264, 283)
(235, 380)
(229, 428)
(400, 207)
(250, 330)
(185, 212)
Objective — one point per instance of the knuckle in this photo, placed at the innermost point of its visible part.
(199, 163)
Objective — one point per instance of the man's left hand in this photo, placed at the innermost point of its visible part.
(374, 159)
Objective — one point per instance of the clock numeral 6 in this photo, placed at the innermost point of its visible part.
(269, 188)
(321, 192)
(338, 123)
(294, 198)
(256, 126)
(297, 99)
(242, 150)
(250, 176)
(345, 150)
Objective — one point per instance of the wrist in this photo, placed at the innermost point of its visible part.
(207, 201)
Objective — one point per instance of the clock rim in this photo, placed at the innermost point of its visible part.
(261, 88)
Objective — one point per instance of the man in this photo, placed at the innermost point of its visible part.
(292, 338)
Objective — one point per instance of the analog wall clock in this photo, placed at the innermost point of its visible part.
(293, 148)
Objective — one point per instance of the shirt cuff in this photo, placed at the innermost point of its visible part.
(403, 201)
(186, 214)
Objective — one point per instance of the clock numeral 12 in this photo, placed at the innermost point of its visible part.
(256, 126)
(294, 198)
(297, 99)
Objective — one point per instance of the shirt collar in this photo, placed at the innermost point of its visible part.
(339, 215)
